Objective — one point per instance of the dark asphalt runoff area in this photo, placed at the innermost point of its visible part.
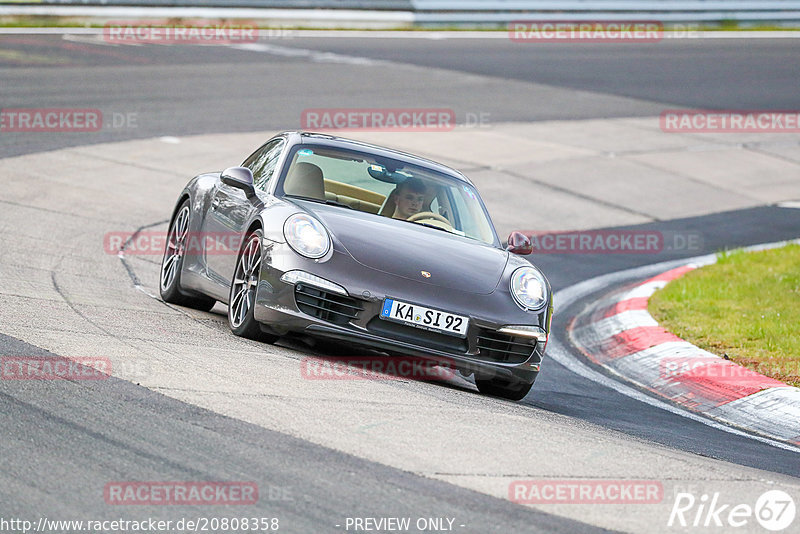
(234, 90)
(63, 440)
(693, 73)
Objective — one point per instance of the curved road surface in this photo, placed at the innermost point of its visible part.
(191, 402)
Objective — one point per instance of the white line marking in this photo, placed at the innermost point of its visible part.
(313, 55)
(93, 39)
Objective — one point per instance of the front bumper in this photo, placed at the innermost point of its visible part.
(305, 308)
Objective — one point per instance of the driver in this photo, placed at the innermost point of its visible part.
(409, 198)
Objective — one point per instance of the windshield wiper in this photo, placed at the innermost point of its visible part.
(321, 201)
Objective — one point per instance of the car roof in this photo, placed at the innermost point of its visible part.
(320, 139)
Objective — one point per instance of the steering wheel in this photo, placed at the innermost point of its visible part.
(429, 215)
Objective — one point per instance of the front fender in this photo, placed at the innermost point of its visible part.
(273, 215)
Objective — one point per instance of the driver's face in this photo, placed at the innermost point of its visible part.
(409, 203)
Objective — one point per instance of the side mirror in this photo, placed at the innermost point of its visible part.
(519, 243)
(241, 178)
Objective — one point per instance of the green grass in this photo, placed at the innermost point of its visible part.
(746, 306)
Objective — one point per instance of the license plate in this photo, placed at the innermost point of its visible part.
(425, 318)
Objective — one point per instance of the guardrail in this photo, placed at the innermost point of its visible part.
(372, 5)
(503, 11)
(495, 12)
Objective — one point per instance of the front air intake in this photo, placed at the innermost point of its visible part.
(325, 305)
(504, 348)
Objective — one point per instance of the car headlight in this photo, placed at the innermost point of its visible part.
(529, 288)
(306, 236)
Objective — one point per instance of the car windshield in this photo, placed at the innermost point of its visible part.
(388, 188)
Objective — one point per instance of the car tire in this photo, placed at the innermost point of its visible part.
(243, 291)
(512, 389)
(172, 264)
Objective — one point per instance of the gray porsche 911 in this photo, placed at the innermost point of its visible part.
(332, 238)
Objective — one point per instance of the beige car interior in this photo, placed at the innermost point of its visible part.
(354, 196)
(307, 180)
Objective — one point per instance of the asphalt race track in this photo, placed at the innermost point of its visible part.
(192, 402)
(238, 91)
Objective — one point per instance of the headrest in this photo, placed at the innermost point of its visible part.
(305, 180)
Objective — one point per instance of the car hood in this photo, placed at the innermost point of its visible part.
(406, 250)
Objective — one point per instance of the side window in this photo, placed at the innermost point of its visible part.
(263, 163)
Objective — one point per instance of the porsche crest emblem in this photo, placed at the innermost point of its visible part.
(426, 274)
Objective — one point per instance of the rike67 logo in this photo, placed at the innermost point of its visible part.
(774, 510)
